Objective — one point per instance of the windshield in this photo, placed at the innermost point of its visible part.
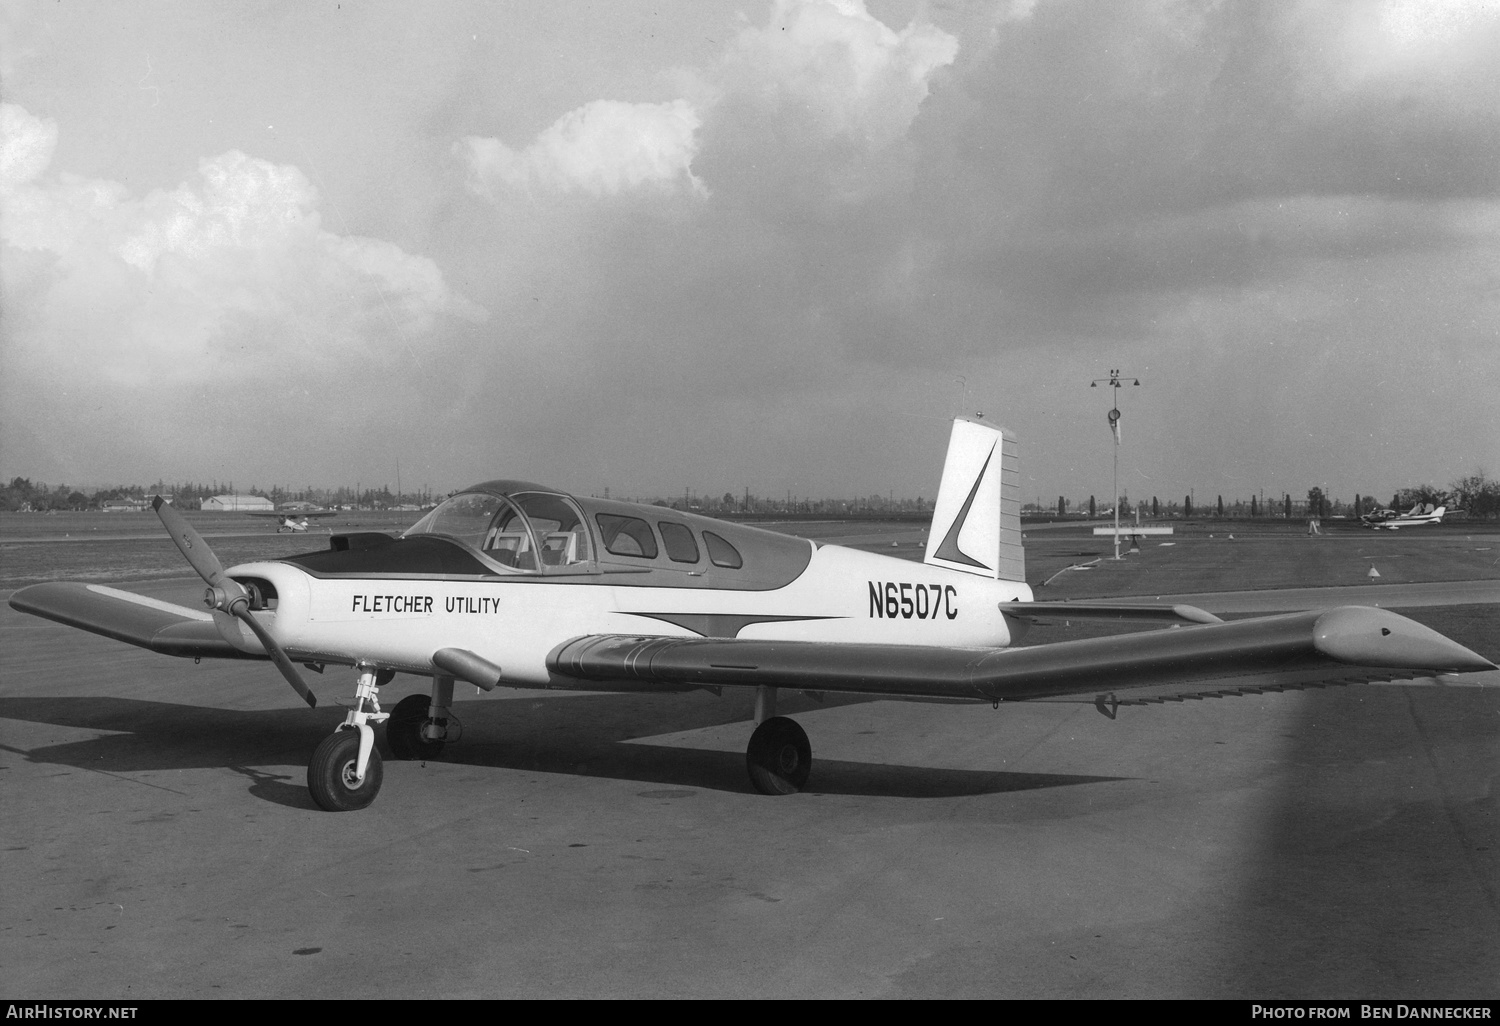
(465, 518)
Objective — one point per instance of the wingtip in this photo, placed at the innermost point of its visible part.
(1378, 637)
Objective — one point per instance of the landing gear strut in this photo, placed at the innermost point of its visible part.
(418, 726)
(345, 771)
(779, 757)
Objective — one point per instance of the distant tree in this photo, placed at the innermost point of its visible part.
(1221, 505)
(1062, 506)
(1422, 495)
(1286, 505)
(1253, 511)
(1124, 504)
(1315, 501)
(1093, 512)
(1477, 495)
(1155, 507)
(1187, 505)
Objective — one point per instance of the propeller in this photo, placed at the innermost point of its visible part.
(224, 593)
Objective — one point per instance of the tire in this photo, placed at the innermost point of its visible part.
(403, 731)
(779, 757)
(330, 774)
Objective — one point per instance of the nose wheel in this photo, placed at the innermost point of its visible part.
(345, 772)
(779, 757)
(333, 776)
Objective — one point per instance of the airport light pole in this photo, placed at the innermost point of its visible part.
(1115, 381)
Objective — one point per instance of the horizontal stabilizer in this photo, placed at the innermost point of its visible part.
(163, 627)
(1039, 611)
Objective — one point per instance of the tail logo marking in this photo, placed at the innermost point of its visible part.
(949, 550)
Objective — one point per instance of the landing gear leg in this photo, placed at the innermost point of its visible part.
(779, 757)
(765, 704)
(345, 771)
(418, 725)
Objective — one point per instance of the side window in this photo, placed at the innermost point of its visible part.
(678, 539)
(721, 553)
(626, 536)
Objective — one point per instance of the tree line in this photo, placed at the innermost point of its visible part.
(23, 494)
(1476, 495)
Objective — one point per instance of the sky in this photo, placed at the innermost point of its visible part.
(704, 245)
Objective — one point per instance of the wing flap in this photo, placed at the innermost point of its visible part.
(125, 616)
(1318, 646)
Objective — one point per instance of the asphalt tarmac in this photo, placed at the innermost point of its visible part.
(158, 842)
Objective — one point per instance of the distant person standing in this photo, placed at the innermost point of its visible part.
(1313, 527)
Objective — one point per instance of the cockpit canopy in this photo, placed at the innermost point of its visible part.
(516, 527)
(514, 524)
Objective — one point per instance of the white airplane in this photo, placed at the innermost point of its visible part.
(509, 584)
(294, 521)
(1390, 520)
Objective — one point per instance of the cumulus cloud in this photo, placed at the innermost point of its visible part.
(603, 148)
(828, 69)
(26, 145)
(837, 65)
(1415, 44)
(231, 274)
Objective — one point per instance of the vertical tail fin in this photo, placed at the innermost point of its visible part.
(976, 523)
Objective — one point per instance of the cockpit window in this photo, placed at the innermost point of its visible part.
(678, 538)
(721, 553)
(464, 517)
(627, 536)
(535, 530)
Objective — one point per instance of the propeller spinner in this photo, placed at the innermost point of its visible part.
(224, 593)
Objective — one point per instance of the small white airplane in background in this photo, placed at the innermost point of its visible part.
(1390, 520)
(509, 584)
(294, 521)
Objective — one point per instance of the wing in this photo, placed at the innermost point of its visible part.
(125, 616)
(312, 515)
(1320, 647)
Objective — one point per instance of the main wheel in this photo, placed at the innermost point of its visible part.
(779, 757)
(330, 774)
(403, 731)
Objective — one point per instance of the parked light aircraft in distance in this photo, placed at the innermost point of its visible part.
(509, 584)
(294, 521)
(1391, 520)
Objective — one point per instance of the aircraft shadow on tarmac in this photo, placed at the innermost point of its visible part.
(585, 735)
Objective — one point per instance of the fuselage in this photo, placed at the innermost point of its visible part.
(474, 582)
